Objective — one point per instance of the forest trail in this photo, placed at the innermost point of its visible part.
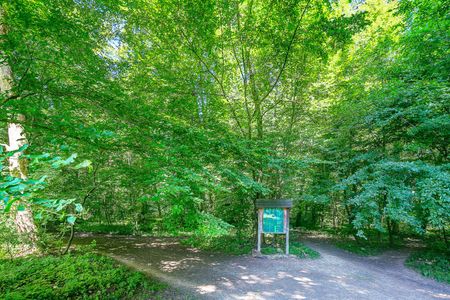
(336, 275)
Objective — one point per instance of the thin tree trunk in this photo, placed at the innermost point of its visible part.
(16, 135)
(444, 236)
(334, 213)
(69, 242)
(390, 226)
(18, 168)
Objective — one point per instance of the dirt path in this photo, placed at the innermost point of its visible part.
(336, 275)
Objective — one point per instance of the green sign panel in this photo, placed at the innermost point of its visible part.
(273, 220)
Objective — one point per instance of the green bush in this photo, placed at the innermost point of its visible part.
(10, 240)
(87, 276)
(213, 234)
(431, 263)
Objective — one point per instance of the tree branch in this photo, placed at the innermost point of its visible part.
(216, 79)
(291, 42)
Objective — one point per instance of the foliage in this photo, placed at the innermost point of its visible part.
(395, 190)
(10, 240)
(218, 236)
(182, 115)
(431, 263)
(383, 97)
(212, 227)
(16, 193)
(87, 276)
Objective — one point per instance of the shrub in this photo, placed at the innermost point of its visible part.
(87, 276)
(431, 263)
(215, 235)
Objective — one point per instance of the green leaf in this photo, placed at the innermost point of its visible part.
(14, 181)
(61, 163)
(84, 164)
(17, 188)
(71, 219)
(78, 207)
(9, 204)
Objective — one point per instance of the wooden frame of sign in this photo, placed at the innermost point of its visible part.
(270, 210)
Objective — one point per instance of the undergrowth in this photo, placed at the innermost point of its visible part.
(88, 276)
(431, 263)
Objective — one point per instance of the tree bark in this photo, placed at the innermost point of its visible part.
(18, 168)
(16, 135)
(390, 225)
(444, 236)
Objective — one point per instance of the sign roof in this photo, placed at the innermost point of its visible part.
(283, 203)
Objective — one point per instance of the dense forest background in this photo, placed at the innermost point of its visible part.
(175, 116)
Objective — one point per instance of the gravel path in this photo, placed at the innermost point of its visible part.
(336, 275)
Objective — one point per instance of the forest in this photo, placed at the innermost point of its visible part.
(171, 118)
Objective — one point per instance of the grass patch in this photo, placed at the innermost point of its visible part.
(296, 248)
(303, 251)
(88, 276)
(374, 245)
(431, 263)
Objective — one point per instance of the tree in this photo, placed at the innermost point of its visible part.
(23, 219)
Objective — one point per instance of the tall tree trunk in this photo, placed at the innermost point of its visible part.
(16, 135)
(444, 236)
(334, 213)
(390, 227)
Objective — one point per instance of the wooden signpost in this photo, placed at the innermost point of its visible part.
(273, 218)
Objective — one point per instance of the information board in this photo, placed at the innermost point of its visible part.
(273, 220)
